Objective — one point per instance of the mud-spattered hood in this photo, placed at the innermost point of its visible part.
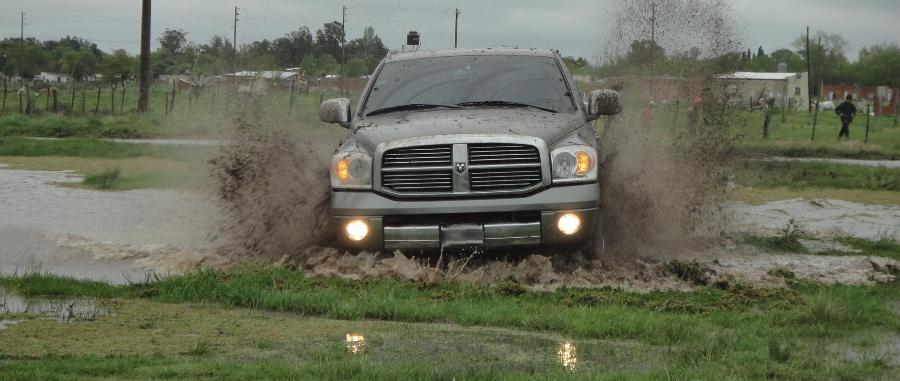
(374, 130)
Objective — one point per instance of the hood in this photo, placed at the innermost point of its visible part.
(374, 130)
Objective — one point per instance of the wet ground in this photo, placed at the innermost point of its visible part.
(863, 163)
(122, 236)
(44, 225)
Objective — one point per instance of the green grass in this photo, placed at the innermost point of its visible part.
(736, 333)
(792, 138)
(815, 175)
(883, 247)
(103, 180)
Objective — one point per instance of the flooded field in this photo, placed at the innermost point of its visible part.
(120, 236)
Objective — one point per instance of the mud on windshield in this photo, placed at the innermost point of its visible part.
(460, 80)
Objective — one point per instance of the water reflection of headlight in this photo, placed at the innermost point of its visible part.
(355, 342)
(566, 355)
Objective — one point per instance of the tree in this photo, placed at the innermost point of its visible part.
(760, 52)
(794, 61)
(290, 50)
(119, 66)
(879, 65)
(328, 39)
(173, 40)
(829, 62)
(645, 52)
(369, 48)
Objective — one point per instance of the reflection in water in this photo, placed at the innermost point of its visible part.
(355, 342)
(566, 355)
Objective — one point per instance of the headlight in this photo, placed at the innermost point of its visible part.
(574, 163)
(351, 170)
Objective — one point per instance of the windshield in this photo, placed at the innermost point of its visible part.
(513, 79)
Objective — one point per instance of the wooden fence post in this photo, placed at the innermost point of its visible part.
(55, 107)
(83, 95)
(815, 118)
(5, 89)
(97, 104)
(866, 141)
(167, 104)
(122, 104)
(174, 83)
(47, 102)
(112, 98)
(72, 101)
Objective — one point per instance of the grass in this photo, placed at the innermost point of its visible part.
(103, 180)
(885, 246)
(759, 196)
(813, 175)
(792, 138)
(788, 241)
(736, 333)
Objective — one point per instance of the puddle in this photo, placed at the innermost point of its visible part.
(825, 218)
(355, 342)
(60, 310)
(4, 324)
(567, 355)
(862, 163)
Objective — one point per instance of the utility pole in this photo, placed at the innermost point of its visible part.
(653, 41)
(819, 69)
(808, 75)
(22, 49)
(234, 40)
(144, 75)
(343, 37)
(456, 29)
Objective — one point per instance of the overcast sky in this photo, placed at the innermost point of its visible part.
(575, 27)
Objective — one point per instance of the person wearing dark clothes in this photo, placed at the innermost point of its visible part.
(846, 111)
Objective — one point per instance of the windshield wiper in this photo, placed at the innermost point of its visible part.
(411, 106)
(506, 104)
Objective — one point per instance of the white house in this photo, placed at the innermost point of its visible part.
(789, 88)
(53, 77)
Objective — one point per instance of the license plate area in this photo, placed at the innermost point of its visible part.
(462, 235)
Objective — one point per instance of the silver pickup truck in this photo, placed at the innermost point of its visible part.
(490, 148)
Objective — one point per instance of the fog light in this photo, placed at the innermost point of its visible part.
(569, 223)
(357, 230)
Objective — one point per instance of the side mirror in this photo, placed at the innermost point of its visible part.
(604, 102)
(335, 110)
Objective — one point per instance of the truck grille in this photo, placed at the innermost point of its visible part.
(503, 167)
(422, 156)
(484, 168)
(418, 182)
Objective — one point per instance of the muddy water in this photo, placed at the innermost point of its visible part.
(61, 310)
(861, 163)
(117, 236)
(827, 218)
(45, 225)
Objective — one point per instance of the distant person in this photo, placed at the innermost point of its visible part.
(694, 111)
(766, 106)
(846, 110)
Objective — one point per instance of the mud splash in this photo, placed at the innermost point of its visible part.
(273, 192)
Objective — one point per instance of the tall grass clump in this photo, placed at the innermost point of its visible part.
(103, 180)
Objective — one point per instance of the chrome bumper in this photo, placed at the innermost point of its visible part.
(469, 227)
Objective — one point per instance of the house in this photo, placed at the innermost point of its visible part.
(882, 99)
(53, 77)
(789, 89)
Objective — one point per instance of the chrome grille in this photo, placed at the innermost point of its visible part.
(498, 153)
(422, 156)
(509, 165)
(420, 181)
(503, 167)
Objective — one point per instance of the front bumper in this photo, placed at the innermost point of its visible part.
(491, 223)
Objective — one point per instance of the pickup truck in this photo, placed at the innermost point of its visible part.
(488, 148)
